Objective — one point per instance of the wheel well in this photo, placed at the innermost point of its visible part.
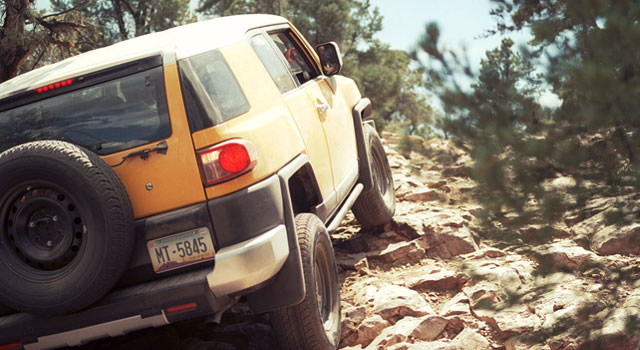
(303, 190)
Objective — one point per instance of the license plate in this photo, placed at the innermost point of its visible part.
(179, 250)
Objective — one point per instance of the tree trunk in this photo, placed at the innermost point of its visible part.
(15, 46)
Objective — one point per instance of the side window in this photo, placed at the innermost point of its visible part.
(295, 55)
(273, 64)
(212, 92)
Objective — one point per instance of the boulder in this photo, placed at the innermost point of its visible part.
(440, 281)
(395, 302)
(458, 305)
(367, 331)
(400, 253)
(470, 340)
(566, 256)
(448, 242)
(617, 240)
(425, 328)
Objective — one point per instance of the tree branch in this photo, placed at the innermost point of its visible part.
(80, 4)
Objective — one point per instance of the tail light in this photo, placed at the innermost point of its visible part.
(183, 307)
(13, 346)
(227, 160)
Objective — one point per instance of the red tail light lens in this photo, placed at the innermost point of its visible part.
(183, 307)
(227, 160)
(234, 158)
(14, 346)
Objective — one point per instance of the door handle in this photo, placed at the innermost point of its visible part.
(322, 107)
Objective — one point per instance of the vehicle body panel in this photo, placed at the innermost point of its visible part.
(166, 173)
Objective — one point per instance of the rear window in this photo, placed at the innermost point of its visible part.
(211, 92)
(105, 118)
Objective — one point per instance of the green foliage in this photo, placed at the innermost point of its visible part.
(118, 20)
(586, 54)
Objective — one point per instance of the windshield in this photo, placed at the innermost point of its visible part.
(105, 118)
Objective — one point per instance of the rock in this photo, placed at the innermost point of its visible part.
(429, 328)
(458, 305)
(365, 294)
(515, 319)
(397, 161)
(582, 241)
(367, 331)
(395, 302)
(457, 171)
(404, 229)
(617, 240)
(617, 325)
(423, 328)
(611, 342)
(490, 301)
(422, 196)
(437, 345)
(437, 184)
(439, 281)
(566, 256)
(470, 340)
(493, 253)
(352, 316)
(447, 242)
(400, 253)
(349, 261)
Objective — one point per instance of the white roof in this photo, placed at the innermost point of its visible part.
(173, 44)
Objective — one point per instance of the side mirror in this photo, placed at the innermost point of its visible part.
(330, 58)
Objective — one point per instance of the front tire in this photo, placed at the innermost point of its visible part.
(376, 206)
(314, 324)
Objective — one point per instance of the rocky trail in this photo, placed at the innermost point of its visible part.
(431, 280)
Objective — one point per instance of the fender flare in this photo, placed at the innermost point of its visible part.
(287, 287)
(361, 111)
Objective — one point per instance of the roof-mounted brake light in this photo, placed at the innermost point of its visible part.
(54, 86)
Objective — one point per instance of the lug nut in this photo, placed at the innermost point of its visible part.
(49, 244)
(32, 224)
(54, 218)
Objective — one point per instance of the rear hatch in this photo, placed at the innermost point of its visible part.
(132, 115)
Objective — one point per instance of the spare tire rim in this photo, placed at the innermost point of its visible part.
(43, 227)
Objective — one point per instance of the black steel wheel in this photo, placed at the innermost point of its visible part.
(66, 227)
(44, 229)
(314, 324)
(376, 206)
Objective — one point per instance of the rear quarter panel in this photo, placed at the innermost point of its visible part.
(268, 124)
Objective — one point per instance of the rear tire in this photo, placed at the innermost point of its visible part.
(66, 227)
(376, 206)
(314, 324)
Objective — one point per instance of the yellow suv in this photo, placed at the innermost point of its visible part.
(164, 177)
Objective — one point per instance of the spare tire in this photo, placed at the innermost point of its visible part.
(66, 227)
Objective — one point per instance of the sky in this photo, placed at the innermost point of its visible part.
(461, 23)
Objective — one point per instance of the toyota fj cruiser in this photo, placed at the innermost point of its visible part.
(164, 177)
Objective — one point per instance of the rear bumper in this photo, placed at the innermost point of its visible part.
(248, 264)
(120, 312)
